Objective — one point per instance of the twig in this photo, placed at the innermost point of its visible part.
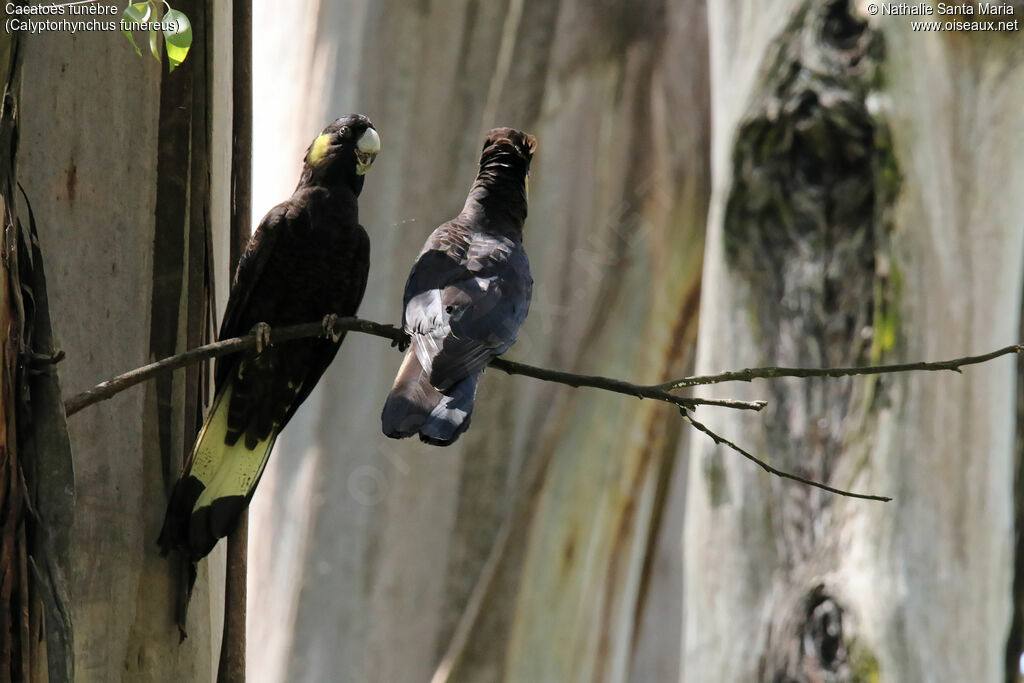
(618, 386)
(114, 386)
(231, 668)
(474, 605)
(772, 470)
(489, 571)
(769, 373)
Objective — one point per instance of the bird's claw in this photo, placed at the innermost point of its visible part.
(330, 332)
(262, 332)
(402, 341)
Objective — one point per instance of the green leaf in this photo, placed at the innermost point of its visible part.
(131, 39)
(178, 39)
(156, 9)
(154, 43)
(135, 13)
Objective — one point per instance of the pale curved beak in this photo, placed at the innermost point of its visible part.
(367, 149)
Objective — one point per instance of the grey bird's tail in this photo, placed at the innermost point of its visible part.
(415, 406)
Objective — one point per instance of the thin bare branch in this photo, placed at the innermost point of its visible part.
(116, 385)
(112, 387)
(772, 470)
(771, 373)
(618, 386)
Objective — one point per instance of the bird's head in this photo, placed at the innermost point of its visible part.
(509, 142)
(343, 152)
(503, 182)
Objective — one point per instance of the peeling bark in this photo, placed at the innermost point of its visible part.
(36, 474)
(857, 220)
(806, 226)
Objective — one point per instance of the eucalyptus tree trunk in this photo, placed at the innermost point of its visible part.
(126, 168)
(36, 488)
(863, 212)
(364, 551)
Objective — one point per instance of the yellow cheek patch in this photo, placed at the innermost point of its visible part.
(318, 150)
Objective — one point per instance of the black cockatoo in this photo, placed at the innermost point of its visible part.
(307, 260)
(467, 295)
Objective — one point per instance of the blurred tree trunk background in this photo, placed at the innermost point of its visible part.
(365, 550)
(858, 214)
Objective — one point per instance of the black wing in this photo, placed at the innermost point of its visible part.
(251, 267)
(464, 303)
(303, 263)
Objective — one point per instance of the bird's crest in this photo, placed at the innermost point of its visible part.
(524, 143)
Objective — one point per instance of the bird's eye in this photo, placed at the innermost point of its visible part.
(343, 133)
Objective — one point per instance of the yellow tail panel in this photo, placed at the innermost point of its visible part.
(226, 470)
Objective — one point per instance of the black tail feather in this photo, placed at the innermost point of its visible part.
(411, 399)
(414, 406)
(175, 532)
(451, 415)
